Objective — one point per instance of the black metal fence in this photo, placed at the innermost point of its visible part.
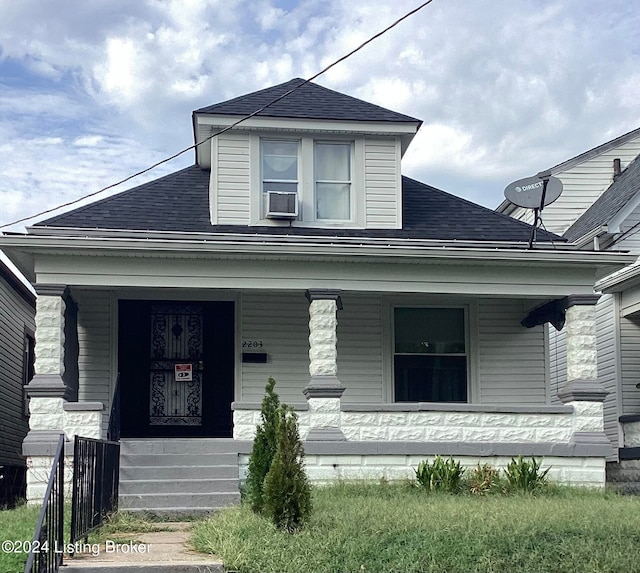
(46, 550)
(96, 471)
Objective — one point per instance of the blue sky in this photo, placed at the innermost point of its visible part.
(94, 90)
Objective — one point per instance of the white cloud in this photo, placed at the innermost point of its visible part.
(506, 88)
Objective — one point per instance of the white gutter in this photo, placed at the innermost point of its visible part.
(310, 247)
(620, 280)
(275, 238)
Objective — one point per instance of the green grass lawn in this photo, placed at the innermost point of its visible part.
(385, 528)
(17, 524)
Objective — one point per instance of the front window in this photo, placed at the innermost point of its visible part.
(333, 181)
(430, 360)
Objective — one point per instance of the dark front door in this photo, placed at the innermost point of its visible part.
(176, 368)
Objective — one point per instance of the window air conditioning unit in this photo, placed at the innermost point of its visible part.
(282, 205)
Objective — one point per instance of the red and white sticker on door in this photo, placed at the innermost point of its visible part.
(183, 372)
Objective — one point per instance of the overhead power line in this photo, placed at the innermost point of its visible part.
(229, 127)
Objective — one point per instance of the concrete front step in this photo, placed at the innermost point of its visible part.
(179, 460)
(155, 501)
(148, 486)
(177, 472)
(179, 446)
(178, 476)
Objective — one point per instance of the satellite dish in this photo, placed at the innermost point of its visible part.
(527, 192)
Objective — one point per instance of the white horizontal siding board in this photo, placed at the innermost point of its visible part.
(233, 180)
(382, 183)
(511, 361)
(96, 374)
(16, 317)
(281, 322)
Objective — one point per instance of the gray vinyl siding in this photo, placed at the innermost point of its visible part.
(281, 322)
(232, 184)
(382, 183)
(630, 364)
(95, 364)
(582, 185)
(607, 363)
(16, 315)
(511, 358)
(630, 233)
(557, 362)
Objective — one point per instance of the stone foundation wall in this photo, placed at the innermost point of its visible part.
(468, 423)
(54, 416)
(324, 469)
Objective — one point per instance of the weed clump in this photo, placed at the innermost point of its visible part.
(525, 475)
(440, 475)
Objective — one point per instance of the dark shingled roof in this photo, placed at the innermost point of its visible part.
(609, 204)
(180, 202)
(310, 101)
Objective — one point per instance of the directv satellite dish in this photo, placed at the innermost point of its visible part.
(528, 192)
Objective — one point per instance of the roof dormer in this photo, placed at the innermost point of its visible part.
(315, 158)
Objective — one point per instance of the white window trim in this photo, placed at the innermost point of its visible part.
(350, 182)
(306, 181)
(471, 339)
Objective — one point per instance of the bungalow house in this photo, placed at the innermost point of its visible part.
(17, 329)
(600, 209)
(388, 311)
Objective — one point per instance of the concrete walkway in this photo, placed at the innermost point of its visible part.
(164, 551)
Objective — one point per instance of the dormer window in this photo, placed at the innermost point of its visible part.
(332, 163)
(279, 165)
(307, 181)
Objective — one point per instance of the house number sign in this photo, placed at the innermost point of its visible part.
(252, 344)
(183, 372)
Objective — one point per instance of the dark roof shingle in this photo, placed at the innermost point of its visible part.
(179, 202)
(309, 101)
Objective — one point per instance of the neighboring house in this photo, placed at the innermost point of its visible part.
(388, 311)
(17, 335)
(600, 208)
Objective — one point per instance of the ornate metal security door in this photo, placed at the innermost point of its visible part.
(176, 365)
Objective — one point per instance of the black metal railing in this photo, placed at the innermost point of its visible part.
(113, 432)
(96, 471)
(46, 550)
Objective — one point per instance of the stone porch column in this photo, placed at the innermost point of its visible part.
(324, 389)
(583, 391)
(47, 391)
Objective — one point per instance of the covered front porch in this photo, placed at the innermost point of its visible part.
(390, 353)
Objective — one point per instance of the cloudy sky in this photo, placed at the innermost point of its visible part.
(94, 90)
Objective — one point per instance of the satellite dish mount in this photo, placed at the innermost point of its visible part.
(534, 193)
